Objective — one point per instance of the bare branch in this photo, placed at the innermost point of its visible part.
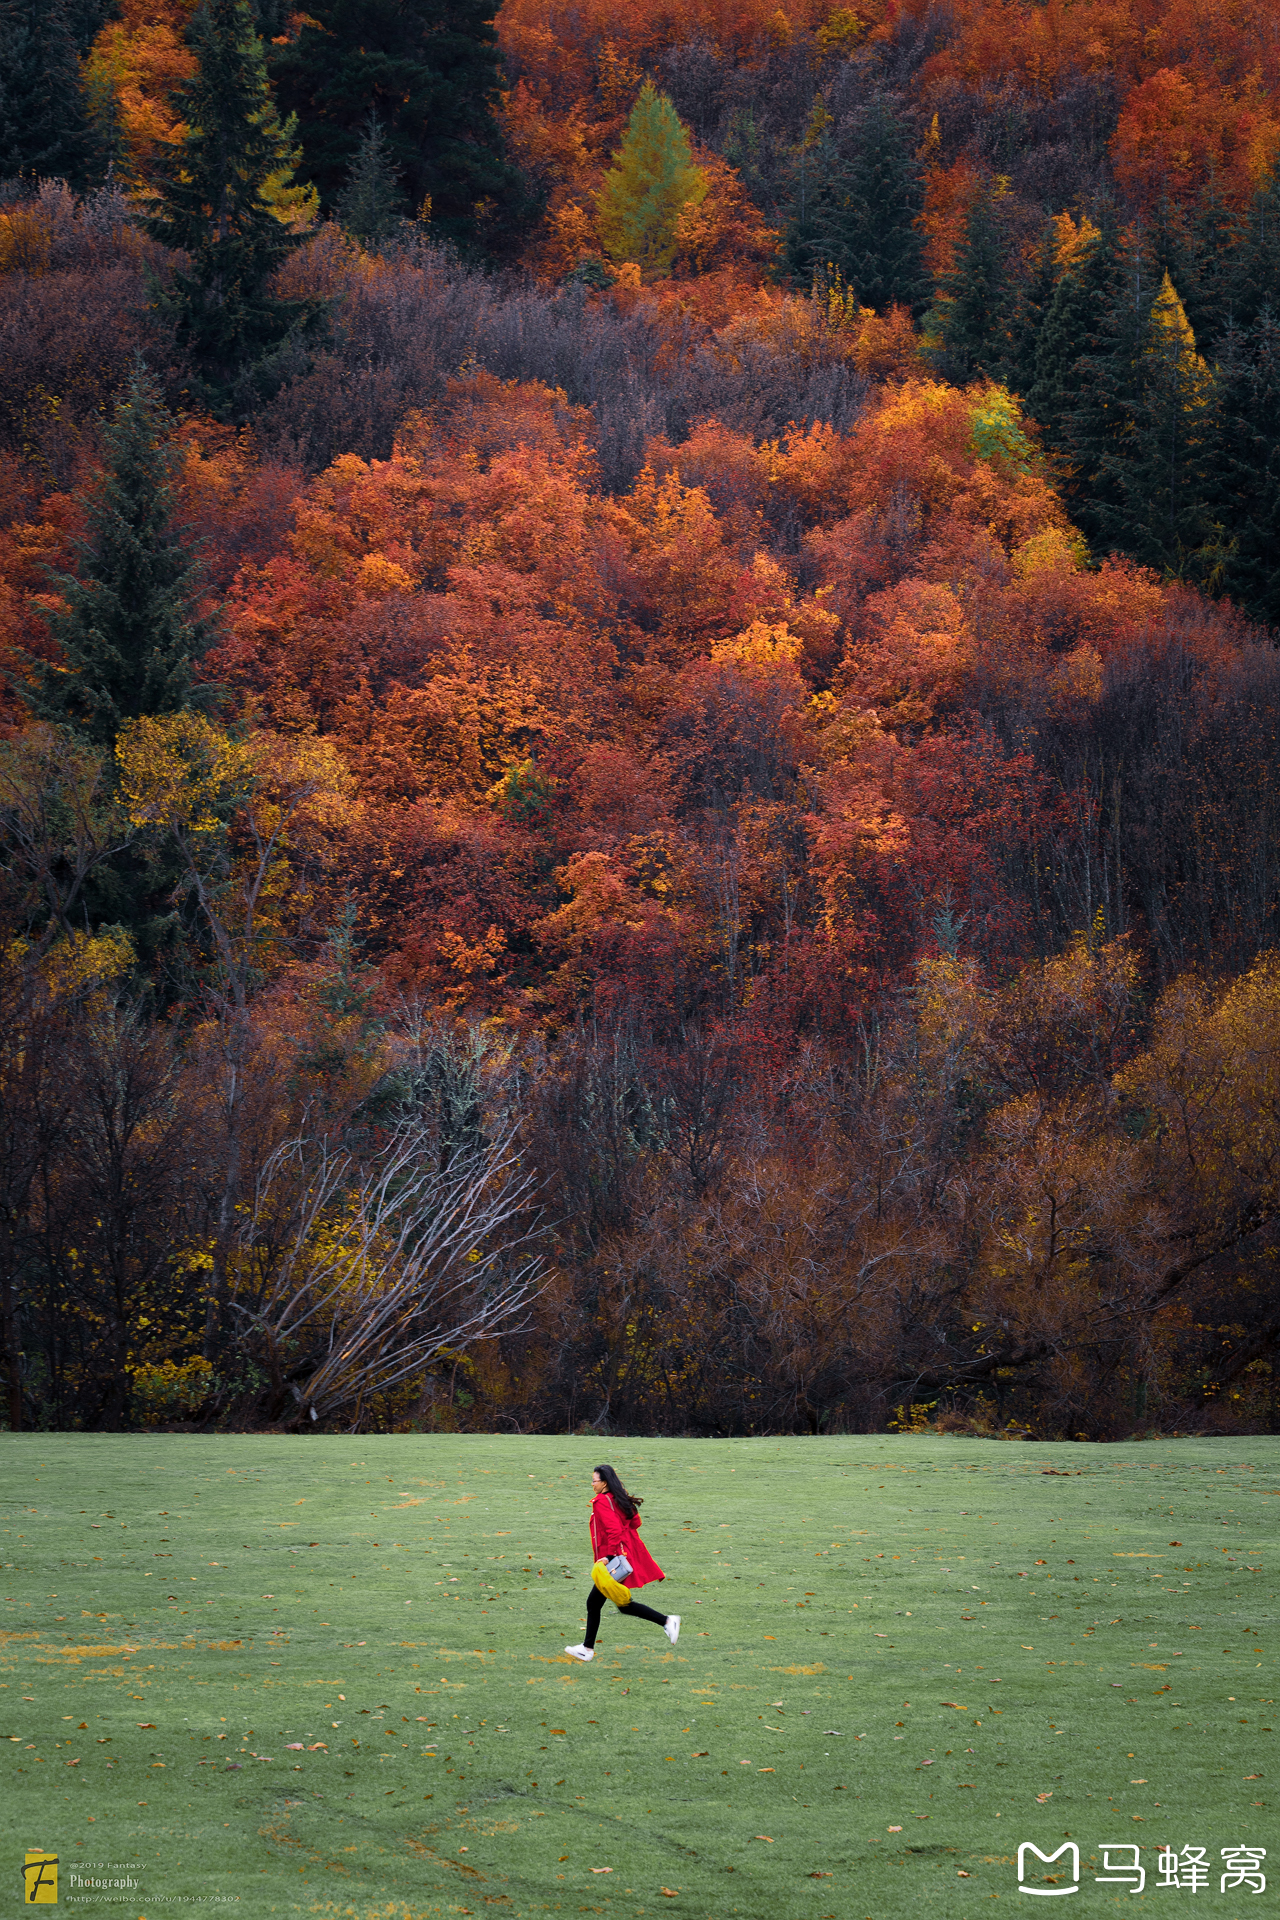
(387, 1264)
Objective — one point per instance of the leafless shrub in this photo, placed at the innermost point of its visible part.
(366, 1269)
(400, 328)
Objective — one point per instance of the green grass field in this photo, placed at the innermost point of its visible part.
(324, 1676)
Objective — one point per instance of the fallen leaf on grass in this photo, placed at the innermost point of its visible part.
(962, 1874)
(820, 1874)
(670, 1892)
(763, 1836)
(146, 1725)
(293, 1746)
(956, 1705)
(1042, 1797)
(895, 1829)
(602, 1869)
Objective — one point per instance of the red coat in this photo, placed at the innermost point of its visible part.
(611, 1534)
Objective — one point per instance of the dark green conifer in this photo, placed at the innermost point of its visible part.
(1249, 498)
(865, 218)
(973, 313)
(271, 18)
(1071, 336)
(1092, 432)
(1214, 233)
(112, 158)
(1254, 276)
(86, 18)
(372, 204)
(1031, 305)
(222, 199)
(129, 632)
(1170, 247)
(814, 166)
(1143, 433)
(429, 69)
(45, 131)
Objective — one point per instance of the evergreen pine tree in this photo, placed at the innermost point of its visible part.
(1161, 465)
(225, 199)
(1093, 431)
(111, 156)
(974, 313)
(814, 165)
(652, 178)
(1031, 305)
(1144, 430)
(866, 219)
(1249, 470)
(129, 632)
(44, 122)
(1171, 248)
(86, 19)
(372, 205)
(1254, 276)
(1214, 233)
(271, 18)
(1071, 335)
(430, 71)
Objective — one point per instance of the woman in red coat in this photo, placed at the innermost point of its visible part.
(622, 1562)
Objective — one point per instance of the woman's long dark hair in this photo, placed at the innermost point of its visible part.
(628, 1504)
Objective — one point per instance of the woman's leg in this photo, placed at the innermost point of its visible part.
(595, 1607)
(638, 1611)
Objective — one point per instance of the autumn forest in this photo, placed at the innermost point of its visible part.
(638, 716)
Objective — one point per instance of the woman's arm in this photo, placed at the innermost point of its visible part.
(607, 1528)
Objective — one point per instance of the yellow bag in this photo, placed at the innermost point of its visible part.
(611, 1589)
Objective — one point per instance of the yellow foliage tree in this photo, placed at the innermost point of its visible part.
(652, 180)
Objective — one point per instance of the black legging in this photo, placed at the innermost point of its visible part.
(636, 1611)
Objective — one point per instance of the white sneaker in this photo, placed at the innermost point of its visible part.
(580, 1653)
(672, 1628)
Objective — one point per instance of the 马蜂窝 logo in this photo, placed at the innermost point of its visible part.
(1188, 1869)
(39, 1878)
(1068, 1847)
